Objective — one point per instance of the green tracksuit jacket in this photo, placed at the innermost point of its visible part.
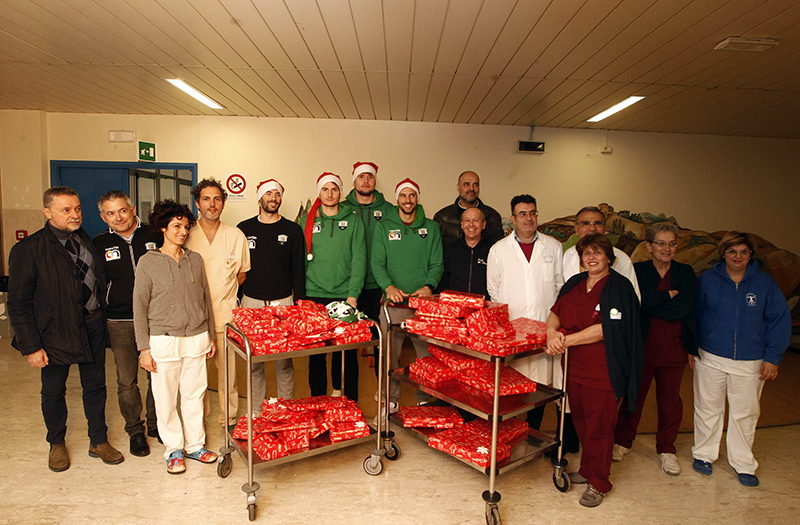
(371, 215)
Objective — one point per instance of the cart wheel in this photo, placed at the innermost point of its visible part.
(493, 515)
(393, 452)
(251, 511)
(561, 481)
(224, 466)
(373, 465)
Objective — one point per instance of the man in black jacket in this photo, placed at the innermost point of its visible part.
(120, 247)
(465, 259)
(56, 291)
(449, 217)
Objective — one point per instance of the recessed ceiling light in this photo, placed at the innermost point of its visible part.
(186, 88)
(615, 109)
(735, 43)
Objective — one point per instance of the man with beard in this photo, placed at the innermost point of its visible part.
(227, 261)
(121, 246)
(277, 276)
(449, 217)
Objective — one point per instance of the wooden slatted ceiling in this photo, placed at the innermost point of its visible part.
(508, 62)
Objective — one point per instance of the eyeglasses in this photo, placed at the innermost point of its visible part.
(523, 214)
(734, 253)
(592, 223)
(663, 244)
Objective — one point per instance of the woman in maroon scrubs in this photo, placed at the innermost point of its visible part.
(597, 317)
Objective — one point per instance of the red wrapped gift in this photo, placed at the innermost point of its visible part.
(469, 446)
(440, 321)
(418, 326)
(348, 430)
(435, 308)
(432, 370)
(294, 439)
(273, 346)
(306, 325)
(268, 447)
(240, 430)
(283, 311)
(272, 410)
(469, 300)
(351, 338)
(314, 403)
(430, 417)
(511, 381)
(535, 331)
(417, 302)
(306, 420)
(500, 347)
(312, 306)
(507, 431)
(500, 310)
(348, 412)
(322, 425)
(456, 360)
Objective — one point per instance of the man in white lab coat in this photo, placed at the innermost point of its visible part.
(525, 271)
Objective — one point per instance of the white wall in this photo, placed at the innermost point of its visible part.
(706, 182)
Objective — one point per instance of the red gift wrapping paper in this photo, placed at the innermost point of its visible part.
(456, 360)
(240, 430)
(306, 325)
(468, 300)
(262, 426)
(440, 321)
(417, 302)
(469, 446)
(314, 403)
(314, 307)
(431, 369)
(322, 425)
(294, 439)
(534, 330)
(511, 381)
(348, 412)
(499, 310)
(348, 430)
(273, 346)
(272, 410)
(435, 308)
(284, 311)
(417, 326)
(354, 337)
(507, 431)
(268, 447)
(430, 417)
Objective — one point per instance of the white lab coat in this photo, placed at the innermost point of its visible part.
(529, 288)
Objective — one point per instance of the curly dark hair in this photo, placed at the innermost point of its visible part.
(208, 183)
(163, 213)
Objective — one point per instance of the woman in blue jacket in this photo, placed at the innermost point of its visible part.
(744, 327)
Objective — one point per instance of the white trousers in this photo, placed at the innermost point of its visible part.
(187, 377)
(715, 379)
(284, 368)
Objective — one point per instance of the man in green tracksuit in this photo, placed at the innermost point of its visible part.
(373, 209)
(336, 267)
(406, 260)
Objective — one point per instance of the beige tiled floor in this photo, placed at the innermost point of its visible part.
(423, 486)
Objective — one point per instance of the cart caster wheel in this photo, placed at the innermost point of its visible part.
(224, 466)
(393, 452)
(561, 481)
(373, 465)
(493, 515)
(251, 511)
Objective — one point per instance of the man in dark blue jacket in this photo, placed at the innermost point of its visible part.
(465, 258)
(56, 304)
(120, 247)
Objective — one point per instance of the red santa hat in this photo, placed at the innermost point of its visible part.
(268, 185)
(364, 167)
(322, 180)
(406, 183)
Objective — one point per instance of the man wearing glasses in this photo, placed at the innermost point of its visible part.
(525, 271)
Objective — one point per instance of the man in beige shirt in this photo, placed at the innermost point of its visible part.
(227, 261)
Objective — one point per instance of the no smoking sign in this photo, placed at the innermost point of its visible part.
(236, 184)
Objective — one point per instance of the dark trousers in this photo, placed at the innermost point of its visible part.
(93, 382)
(369, 302)
(670, 408)
(126, 358)
(318, 369)
(594, 413)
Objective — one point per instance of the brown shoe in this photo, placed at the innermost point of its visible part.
(59, 458)
(591, 497)
(107, 453)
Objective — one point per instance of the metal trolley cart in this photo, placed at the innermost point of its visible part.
(494, 409)
(317, 446)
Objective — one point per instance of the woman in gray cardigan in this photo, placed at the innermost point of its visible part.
(174, 324)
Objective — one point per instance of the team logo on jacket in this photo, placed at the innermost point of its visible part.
(378, 214)
(282, 238)
(423, 232)
(317, 228)
(251, 242)
(751, 299)
(149, 246)
(342, 225)
(112, 254)
(394, 235)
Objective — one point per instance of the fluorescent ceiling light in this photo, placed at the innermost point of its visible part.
(615, 109)
(735, 43)
(186, 88)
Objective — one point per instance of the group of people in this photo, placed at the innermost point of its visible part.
(160, 294)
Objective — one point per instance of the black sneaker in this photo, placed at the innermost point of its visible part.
(139, 446)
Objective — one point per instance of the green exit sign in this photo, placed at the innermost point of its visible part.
(147, 151)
